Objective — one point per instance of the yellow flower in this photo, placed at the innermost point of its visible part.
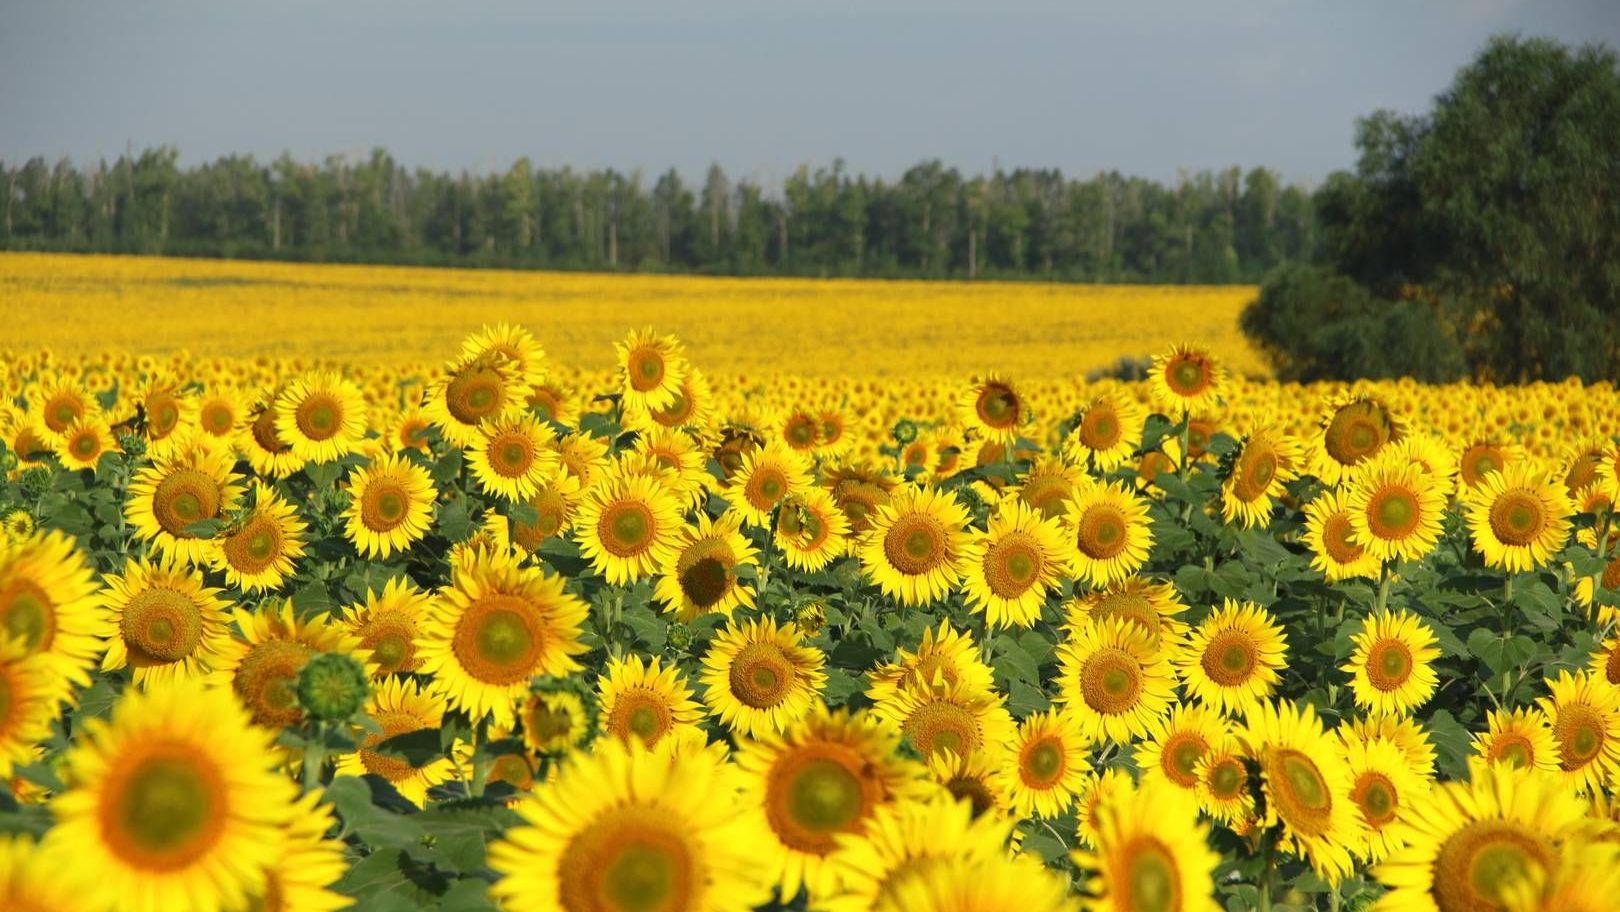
(258, 554)
(1383, 786)
(1584, 711)
(993, 407)
(268, 454)
(513, 343)
(1046, 764)
(1520, 737)
(1264, 462)
(648, 702)
(168, 498)
(1519, 518)
(1223, 788)
(389, 625)
(768, 476)
(262, 663)
(1354, 428)
(30, 880)
(1151, 851)
(1178, 743)
(1231, 661)
(399, 707)
(554, 722)
(811, 530)
(1108, 430)
(905, 843)
(914, 549)
(1113, 681)
(322, 416)
(471, 391)
(1331, 536)
(1109, 527)
(943, 655)
(701, 575)
(628, 527)
(974, 780)
(761, 677)
(1185, 379)
(651, 369)
(1011, 566)
(310, 863)
(935, 715)
(170, 623)
(512, 456)
(173, 806)
(48, 602)
(1306, 783)
(1395, 510)
(84, 442)
(390, 506)
(32, 695)
(1153, 606)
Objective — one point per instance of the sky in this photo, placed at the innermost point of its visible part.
(1146, 87)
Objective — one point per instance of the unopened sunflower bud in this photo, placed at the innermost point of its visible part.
(332, 687)
(35, 482)
(810, 618)
(905, 431)
(680, 637)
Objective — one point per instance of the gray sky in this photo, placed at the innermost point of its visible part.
(1144, 87)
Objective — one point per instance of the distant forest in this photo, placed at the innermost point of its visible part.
(933, 222)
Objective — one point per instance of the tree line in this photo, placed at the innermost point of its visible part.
(932, 222)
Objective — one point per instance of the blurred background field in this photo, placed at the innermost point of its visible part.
(76, 305)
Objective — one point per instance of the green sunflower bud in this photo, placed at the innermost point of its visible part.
(332, 687)
(133, 445)
(680, 637)
(36, 481)
(905, 431)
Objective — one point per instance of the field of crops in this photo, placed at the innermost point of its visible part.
(375, 601)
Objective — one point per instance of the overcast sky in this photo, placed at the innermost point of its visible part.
(1145, 87)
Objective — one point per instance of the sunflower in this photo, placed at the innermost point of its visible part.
(800, 430)
(1223, 788)
(494, 628)
(471, 391)
(554, 722)
(84, 442)
(1045, 764)
(1401, 731)
(680, 462)
(30, 880)
(1153, 606)
(513, 343)
(322, 416)
(553, 507)
(1519, 737)
(17, 526)
(1586, 879)
(904, 843)
(1519, 517)
(811, 530)
(1584, 711)
(170, 497)
(993, 406)
(943, 655)
(1113, 681)
(266, 451)
(554, 404)
(761, 677)
(169, 623)
(692, 407)
(1483, 456)
(513, 455)
(975, 780)
(647, 701)
(627, 829)
(859, 491)
(914, 549)
(1107, 430)
(1231, 661)
(1051, 485)
(768, 476)
(32, 695)
(62, 402)
(1255, 473)
(262, 663)
(1354, 428)
(220, 412)
(48, 602)
(651, 368)
(257, 553)
(583, 458)
(390, 506)
(628, 527)
(1011, 566)
(1392, 667)
(701, 574)
(1473, 845)
(389, 625)
(399, 707)
(1382, 786)
(1151, 853)
(935, 715)
(1306, 784)
(1331, 536)
(1432, 455)
(174, 805)
(165, 409)
(1185, 379)
(1395, 510)
(310, 863)
(1109, 527)
(1177, 744)
(826, 775)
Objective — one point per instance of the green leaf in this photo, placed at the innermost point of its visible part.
(840, 686)
(376, 827)
(418, 748)
(523, 514)
(447, 468)
(649, 628)
(323, 475)
(468, 895)
(1014, 664)
(1451, 743)
(454, 522)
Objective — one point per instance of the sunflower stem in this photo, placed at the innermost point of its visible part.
(1266, 874)
(1186, 437)
(314, 757)
(1382, 600)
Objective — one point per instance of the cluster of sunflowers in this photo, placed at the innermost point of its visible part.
(497, 635)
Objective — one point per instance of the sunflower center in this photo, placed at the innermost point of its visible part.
(1102, 532)
(254, 547)
(1478, 461)
(1179, 759)
(319, 416)
(675, 412)
(28, 614)
(184, 497)
(818, 790)
(1357, 431)
(1048, 494)
(800, 432)
(940, 725)
(1514, 749)
(630, 859)
(163, 807)
(974, 791)
(1301, 794)
(1231, 658)
(1517, 518)
(705, 581)
(646, 369)
(548, 723)
(511, 455)
(384, 504)
(498, 640)
(85, 445)
(1227, 778)
(1110, 681)
(642, 713)
(761, 675)
(766, 487)
(1187, 376)
(626, 528)
(915, 544)
(998, 406)
(164, 414)
(1151, 880)
(1338, 539)
(1580, 734)
(1480, 865)
(1099, 427)
(1389, 664)
(62, 412)
(1393, 512)
(267, 681)
(1256, 469)
(1611, 667)
(1043, 763)
(264, 433)
(475, 394)
(1013, 565)
(161, 624)
(1376, 797)
(389, 649)
(217, 418)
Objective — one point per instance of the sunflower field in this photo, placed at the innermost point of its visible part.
(495, 632)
